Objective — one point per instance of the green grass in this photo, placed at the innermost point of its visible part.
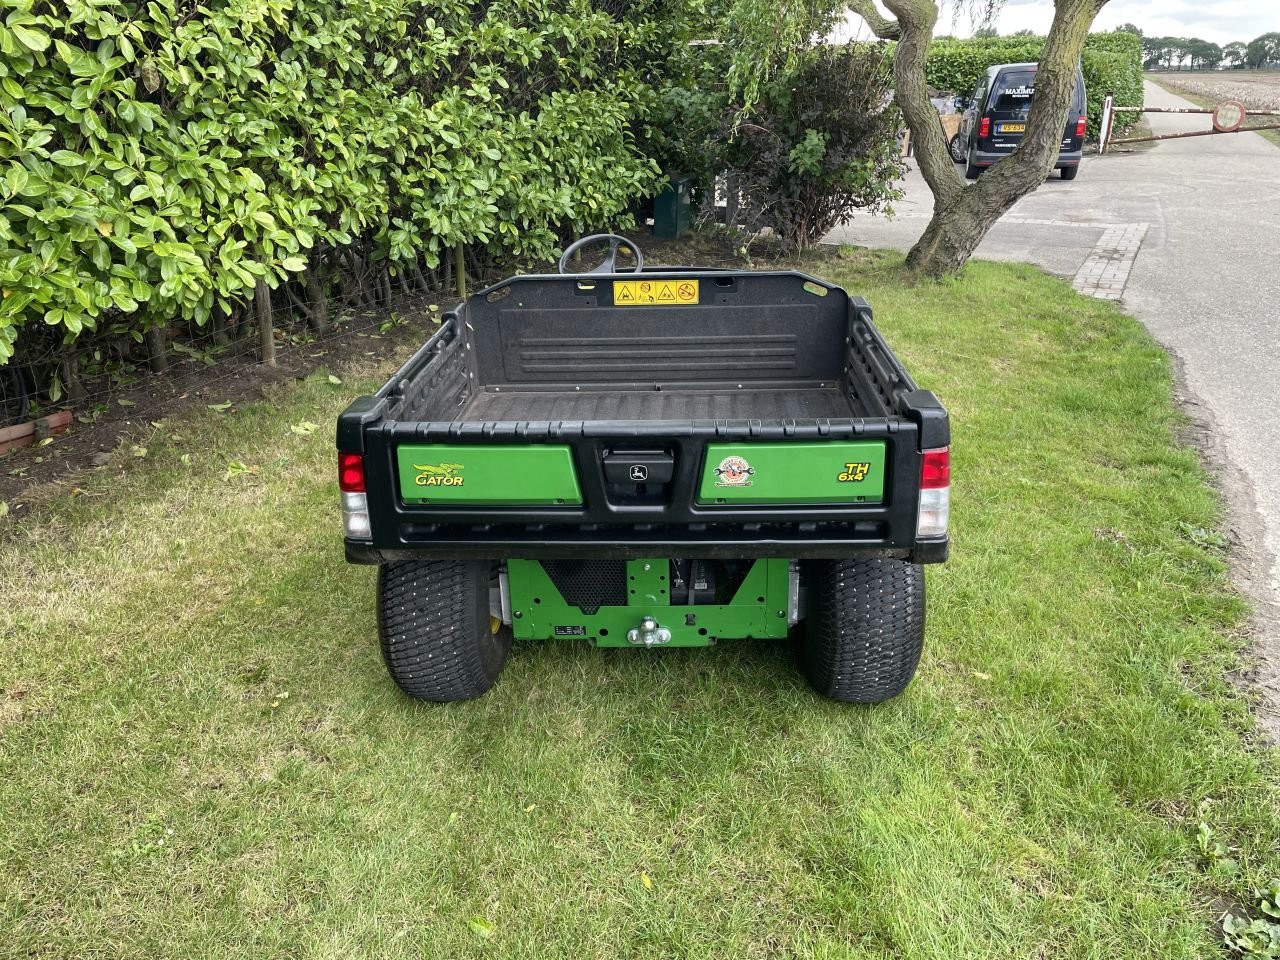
(201, 755)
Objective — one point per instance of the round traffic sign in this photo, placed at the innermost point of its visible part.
(1228, 116)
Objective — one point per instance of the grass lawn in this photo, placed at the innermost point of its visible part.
(201, 755)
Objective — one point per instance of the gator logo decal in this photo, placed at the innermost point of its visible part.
(854, 473)
(734, 472)
(438, 475)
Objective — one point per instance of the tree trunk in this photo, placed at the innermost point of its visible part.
(266, 335)
(156, 347)
(239, 323)
(419, 279)
(963, 215)
(460, 255)
(357, 268)
(70, 376)
(219, 325)
(317, 300)
(954, 232)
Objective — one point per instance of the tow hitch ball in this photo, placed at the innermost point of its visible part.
(648, 634)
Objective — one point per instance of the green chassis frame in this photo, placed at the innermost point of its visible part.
(758, 609)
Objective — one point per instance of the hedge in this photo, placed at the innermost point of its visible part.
(159, 157)
(1112, 63)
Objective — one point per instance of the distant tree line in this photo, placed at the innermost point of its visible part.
(1192, 53)
(1188, 53)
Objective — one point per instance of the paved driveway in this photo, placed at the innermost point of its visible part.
(1187, 234)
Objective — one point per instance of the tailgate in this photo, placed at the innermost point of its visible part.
(831, 472)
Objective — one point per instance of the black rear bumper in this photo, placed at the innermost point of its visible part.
(595, 547)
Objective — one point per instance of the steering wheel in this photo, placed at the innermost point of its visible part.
(610, 261)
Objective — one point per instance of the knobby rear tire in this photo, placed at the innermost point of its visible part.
(434, 628)
(864, 629)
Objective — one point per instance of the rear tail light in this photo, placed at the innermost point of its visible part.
(1081, 124)
(355, 501)
(935, 493)
(351, 473)
(984, 128)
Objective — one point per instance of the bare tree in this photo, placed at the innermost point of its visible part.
(962, 214)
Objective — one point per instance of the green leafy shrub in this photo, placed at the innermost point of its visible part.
(160, 157)
(688, 113)
(819, 142)
(1111, 63)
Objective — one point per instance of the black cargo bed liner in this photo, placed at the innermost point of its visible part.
(750, 403)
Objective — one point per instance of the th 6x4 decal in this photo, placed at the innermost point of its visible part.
(854, 472)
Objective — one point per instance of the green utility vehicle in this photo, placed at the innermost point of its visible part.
(649, 458)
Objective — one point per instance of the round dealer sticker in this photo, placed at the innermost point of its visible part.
(734, 472)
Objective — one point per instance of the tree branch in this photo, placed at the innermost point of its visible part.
(882, 27)
(915, 19)
(919, 15)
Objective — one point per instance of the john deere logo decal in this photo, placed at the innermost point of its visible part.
(734, 472)
(438, 475)
(854, 472)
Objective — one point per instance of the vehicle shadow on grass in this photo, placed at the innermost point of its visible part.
(759, 666)
(722, 678)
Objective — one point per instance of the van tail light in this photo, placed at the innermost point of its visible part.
(1080, 125)
(355, 499)
(935, 493)
(984, 128)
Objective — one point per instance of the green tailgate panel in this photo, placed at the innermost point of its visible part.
(519, 475)
(834, 472)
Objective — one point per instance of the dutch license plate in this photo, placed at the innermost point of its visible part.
(1013, 128)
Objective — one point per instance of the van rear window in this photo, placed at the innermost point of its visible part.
(1013, 93)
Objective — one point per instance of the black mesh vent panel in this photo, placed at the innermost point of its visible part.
(589, 584)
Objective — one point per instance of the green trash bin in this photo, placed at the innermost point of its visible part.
(673, 208)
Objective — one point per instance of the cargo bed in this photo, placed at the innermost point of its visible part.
(765, 417)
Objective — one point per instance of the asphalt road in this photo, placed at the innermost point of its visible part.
(1205, 281)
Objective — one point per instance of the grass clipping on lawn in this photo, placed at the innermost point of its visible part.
(201, 755)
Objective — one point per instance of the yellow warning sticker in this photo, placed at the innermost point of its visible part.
(653, 293)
